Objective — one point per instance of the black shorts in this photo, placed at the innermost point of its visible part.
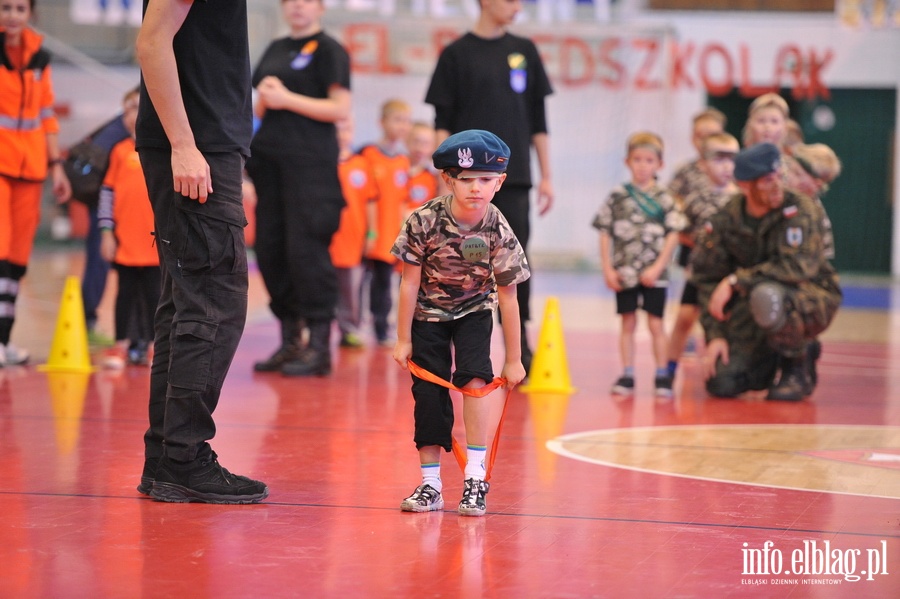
(437, 347)
(689, 297)
(650, 299)
(684, 255)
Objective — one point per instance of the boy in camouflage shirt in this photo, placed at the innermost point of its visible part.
(460, 262)
(639, 221)
(717, 164)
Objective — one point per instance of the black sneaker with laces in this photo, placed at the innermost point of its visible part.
(204, 481)
(663, 386)
(424, 499)
(624, 385)
(472, 503)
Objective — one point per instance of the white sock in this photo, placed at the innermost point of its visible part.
(431, 475)
(475, 455)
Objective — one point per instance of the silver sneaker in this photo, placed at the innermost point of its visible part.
(473, 503)
(10, 355)
(424, 499)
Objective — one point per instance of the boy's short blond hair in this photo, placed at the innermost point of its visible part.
(711, 114)
(720, 138)
(818, 160)
(422, 125)
(770, 100)
(394, 105)
(645, 139)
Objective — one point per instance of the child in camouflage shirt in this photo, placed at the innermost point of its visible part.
(460, 261)
(640, 224)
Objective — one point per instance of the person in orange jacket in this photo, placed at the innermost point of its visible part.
(348, 243)
(389, 164)
(423, 178)
(125, 218)
(29, 150)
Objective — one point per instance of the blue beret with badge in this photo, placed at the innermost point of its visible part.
(756, 161)
(473, 149)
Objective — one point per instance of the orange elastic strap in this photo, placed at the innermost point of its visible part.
(458, 451)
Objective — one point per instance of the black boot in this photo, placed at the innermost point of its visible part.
(315, 360)
(813, 353)
(793, 384)
(289, 349)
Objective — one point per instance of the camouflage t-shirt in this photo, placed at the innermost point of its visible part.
(637, 238)
(700, 204)
(461, 266)
(687, 178)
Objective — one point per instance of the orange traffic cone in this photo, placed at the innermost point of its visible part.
(69, 351)
(549, 369)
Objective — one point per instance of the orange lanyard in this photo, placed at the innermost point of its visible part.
(458, 451)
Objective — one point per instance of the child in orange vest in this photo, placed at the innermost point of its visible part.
(125, 217)
(348, 243)
(389, 166)
(423, 179)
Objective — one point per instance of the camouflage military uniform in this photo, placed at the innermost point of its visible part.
(784, 246)
(461, 268)
(637, 238)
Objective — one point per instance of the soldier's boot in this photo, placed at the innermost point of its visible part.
(288, 350)
(315, 359)
(813, 352)
(793, 384)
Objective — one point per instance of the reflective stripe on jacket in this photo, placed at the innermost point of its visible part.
(26, 110)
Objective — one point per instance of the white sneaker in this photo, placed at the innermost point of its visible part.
(10, 355)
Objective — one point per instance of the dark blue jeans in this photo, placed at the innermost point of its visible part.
(96, 269)
(203, 303)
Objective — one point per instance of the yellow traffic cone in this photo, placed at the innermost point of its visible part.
(69, 352)
(549, 369)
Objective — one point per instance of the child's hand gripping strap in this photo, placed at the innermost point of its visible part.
(458, 451)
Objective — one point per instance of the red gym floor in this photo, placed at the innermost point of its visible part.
(590, 497)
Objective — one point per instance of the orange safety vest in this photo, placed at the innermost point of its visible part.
(26, 110)
(422, 187)
(349, 241)
(390, 174)
(132, 210)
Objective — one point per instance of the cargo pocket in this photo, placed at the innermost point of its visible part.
(226, 249)
(193, 345)
(193, 251)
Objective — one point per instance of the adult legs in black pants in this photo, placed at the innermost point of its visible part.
(297, 213)
(513, 202)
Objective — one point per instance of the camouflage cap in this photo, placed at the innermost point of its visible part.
(756, 161)
(473, 149)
